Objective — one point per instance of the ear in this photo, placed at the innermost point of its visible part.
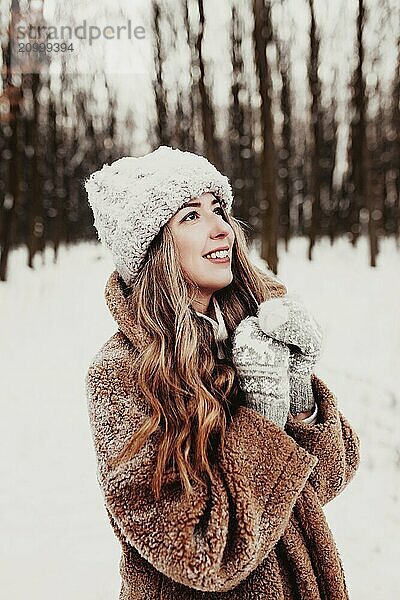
(271, 314)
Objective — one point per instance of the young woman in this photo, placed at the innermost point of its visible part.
(217, 446)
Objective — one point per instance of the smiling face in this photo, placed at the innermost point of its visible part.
(198, 232)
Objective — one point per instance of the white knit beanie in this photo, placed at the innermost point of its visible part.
(133, 198)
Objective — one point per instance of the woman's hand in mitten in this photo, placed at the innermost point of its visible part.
(287, 320)
(262, 364)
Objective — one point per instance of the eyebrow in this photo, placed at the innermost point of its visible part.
(215, 201)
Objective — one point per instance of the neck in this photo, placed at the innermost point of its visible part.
(204, 305)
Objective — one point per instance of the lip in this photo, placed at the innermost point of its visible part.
(216, 250)
(227, 259)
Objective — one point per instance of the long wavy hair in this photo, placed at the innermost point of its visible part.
(192, 393)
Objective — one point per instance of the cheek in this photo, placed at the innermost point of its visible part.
(190, 253)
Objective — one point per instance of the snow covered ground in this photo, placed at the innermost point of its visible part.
(55, 539)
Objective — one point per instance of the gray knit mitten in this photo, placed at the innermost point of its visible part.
(286, 319)
(262, 364)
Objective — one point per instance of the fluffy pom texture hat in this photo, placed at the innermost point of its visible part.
(133, 198)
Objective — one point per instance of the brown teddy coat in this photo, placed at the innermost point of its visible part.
(259, 533)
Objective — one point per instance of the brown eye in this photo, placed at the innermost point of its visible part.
(194, 212)
(189, 214)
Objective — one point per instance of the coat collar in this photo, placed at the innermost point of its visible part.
(118, 306)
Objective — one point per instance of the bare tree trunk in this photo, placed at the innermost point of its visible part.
(35, 219)
(376, 176)
(12, 196)
(236, 114)
(241, 151)
(330, 144)
(59, 201)
(286, 158)
(162, 131)
(358, 134)
(263, 34)
(207, 111)
(194, 102)
(316, 128)
(395, 115)
(7, 211)
(248, 163)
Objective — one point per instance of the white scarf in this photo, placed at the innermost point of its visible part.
(219, 327)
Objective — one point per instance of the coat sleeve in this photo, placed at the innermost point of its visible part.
(214, 539)
(332, 440)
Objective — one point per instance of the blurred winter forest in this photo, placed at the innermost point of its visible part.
(309, 135)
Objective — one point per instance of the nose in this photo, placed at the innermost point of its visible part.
(219, 228)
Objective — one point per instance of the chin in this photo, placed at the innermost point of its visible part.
(221, 282)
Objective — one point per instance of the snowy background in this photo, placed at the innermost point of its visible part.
(55, 539)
